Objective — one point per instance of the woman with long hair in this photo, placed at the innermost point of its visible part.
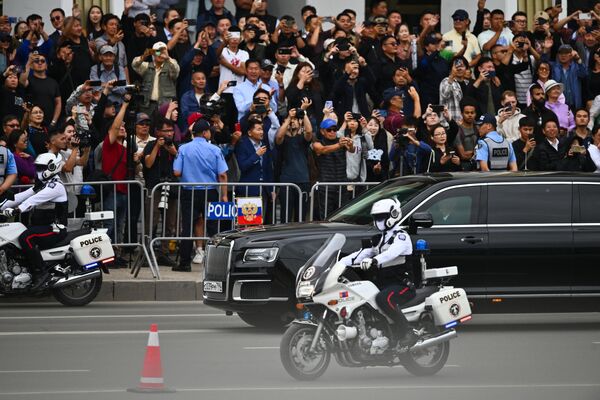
(20, 30)
(17, 143)
(82, 53)
(37, 132)
(593, 80)
(7, 52)
(303, 85)
(443, 156)
(355, 128)
(94, 28)
(541, 75)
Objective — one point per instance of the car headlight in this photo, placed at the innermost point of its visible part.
(261, 254)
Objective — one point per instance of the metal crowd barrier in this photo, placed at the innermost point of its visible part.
(170, 227)
(123, 208)
(333, 195)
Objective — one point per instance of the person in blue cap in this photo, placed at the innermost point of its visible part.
(494, 152)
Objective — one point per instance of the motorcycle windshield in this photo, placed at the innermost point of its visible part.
(318, 265)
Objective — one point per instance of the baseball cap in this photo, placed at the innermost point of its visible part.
(389, 93)
(565, 48)
(541, 15)
(266, 64)
(328, 123)
(201, 125)
(107, 49)
(159, 45)
(141, 117)
(486, 119)
(193, 117)
(460, 14)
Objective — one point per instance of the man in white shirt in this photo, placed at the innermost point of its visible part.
(232, 68)
(459, 33)
(498, 34)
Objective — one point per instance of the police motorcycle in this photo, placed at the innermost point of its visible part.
(71, 269)
(341, 317)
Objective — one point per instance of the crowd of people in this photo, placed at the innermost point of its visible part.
(245, 96)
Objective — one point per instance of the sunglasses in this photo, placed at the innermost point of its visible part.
(144, 123)
(331, 130)
(56, 18)
(39, 61)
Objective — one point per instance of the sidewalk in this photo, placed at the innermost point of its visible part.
(120, 285)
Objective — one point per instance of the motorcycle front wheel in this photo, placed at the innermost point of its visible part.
(428, 361)
(296, 357)
(78, 294)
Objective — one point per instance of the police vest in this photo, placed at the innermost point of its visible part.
(498, 154)
(3, 162)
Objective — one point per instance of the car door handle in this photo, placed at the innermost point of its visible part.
(471, 240)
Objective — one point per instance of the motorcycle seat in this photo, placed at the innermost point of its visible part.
(422, 294)
(70, 236)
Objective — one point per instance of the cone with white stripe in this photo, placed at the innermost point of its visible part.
(152, 380)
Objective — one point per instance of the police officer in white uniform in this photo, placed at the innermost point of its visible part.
(389, 257)
(48, 199)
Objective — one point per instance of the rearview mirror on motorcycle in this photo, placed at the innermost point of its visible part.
(419, 220)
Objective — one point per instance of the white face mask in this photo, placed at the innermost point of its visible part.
(380, 225)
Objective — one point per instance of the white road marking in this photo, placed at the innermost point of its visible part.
(44, 371)
(595, 342)
(59, 333)
(401, 366)
(319, 388)
(111, 316)
(262, 348)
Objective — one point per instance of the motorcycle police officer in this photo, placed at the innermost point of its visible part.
(494, 152)
(48, 199)
(389, 257)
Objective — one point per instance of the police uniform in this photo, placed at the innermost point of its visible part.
(49, 217)
(496, 151)
(393, 275)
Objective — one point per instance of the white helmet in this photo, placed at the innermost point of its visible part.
(386, 213)
(47, 165)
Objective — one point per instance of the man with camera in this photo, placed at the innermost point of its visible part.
(198, 161)
(158, 158)
(287, 33)
(525, 144)
(75, 154)
(331, 161)
(243, 93)
(157, 87)
(293, 140)
(108, 70)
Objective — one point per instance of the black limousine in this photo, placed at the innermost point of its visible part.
(512, 235)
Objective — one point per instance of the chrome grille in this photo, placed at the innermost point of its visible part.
(217, 268)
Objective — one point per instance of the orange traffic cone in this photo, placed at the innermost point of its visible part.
(152, 380)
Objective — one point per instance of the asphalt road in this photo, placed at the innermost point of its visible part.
(52, 352)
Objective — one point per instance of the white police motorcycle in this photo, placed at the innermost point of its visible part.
(72, 268)
(342, 318)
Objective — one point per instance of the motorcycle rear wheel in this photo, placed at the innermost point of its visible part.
(428, 361)
(296, 358)
(78, 294)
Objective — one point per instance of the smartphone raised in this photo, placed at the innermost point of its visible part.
(121, 82)
(95, 83)
(437, 108)
(329, 104)
(584, 16)
(231, 83)
(238, 127)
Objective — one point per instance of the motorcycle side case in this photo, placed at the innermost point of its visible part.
(448, 305)
(91, 248)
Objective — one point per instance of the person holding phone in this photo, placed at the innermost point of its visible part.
(453, 88)
(498, 34)
(487, 88)
(443, 157)
(216, 11)
(463, 41)
(509, 116)
(232, 68)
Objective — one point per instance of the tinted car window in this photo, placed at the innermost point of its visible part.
(358, 211)
(458, 206)
(588, 203)
(529, 204)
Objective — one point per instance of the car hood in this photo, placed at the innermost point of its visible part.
(274, 233)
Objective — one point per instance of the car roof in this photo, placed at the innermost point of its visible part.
(478, 177)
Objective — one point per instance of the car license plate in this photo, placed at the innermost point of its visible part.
(213, 286)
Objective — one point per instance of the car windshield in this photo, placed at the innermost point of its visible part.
(358, 211)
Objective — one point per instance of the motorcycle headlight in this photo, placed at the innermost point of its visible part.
(261, 254)
(304, 289)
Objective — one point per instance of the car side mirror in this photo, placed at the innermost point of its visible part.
(419, 220)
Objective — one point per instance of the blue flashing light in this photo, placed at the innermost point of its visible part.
(91, 266)
(422, 245)
(307, 315)
(451, 324)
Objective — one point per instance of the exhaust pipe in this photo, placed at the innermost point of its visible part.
(62, 282)
(442, 337)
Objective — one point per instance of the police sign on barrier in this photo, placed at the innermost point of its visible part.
(221, 211)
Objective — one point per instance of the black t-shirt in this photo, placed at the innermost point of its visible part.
(161, 170)
(10, 102)
(42, 92)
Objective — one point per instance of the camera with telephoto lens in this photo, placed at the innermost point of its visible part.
(163, 203)
(85, 137)
(210, 108)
